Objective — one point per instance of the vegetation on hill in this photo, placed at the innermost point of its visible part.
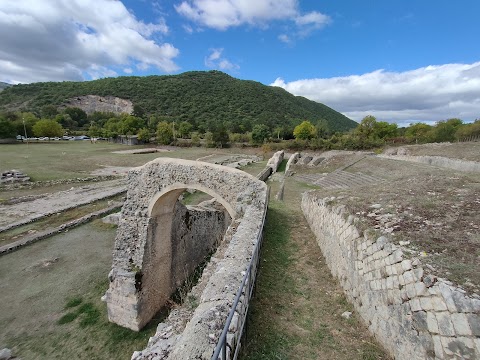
(4, 85)
(203, 99)
(210, 108)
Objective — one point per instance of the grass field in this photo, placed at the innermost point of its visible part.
(73, 159)
(50, 291)
(38, 283)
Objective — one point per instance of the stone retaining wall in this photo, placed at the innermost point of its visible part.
(292, 160)
(413, 315)
(455, 164)
(275, 160)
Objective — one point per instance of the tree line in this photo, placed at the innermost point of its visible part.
(368, 134)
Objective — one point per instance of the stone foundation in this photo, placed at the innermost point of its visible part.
(413, 315)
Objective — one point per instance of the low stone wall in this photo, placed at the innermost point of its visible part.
(455, 164)
(291, 161)
(265, 174)
(50, 232)
(275, 160)
(413, 315)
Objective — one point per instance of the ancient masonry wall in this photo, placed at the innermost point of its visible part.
(414, 315)
(272, 166)
(292, 160)
(455, 164)
(197, 233)
(275, 160)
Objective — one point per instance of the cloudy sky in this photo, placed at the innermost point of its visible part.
(399, 60)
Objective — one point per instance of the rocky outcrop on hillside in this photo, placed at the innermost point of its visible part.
(92, 103)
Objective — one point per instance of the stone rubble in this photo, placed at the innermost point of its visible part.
(13, 176)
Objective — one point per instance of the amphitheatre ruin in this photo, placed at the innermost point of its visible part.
(398, 231)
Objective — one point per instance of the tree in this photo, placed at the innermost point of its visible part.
(384, 130)
(366, 128)
(260, 133)
(77, 114)
(131, 124)
(184, 129)
(304, 131)
(164, 133)
(94, 130)
(220, 136)
(7, 129)
(49, 111)
(48, 128)
(144, 135)
(418, 132)
(445, 130)
(468, 130)
(66, 121)
(138, 111)
(112, 127)
(195, 139)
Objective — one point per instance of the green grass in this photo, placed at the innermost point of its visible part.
(282, 166)
(194, 198)
(73, 159)
(273, 280)
(295, 313)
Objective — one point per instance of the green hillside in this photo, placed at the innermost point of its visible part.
(197, 97)
(4, 85)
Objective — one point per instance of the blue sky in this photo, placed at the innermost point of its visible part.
(399, 60)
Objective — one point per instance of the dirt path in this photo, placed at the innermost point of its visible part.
(297, 311)
(28, 211)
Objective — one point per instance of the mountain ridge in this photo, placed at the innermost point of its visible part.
(195, 96)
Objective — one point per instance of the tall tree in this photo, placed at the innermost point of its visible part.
(164, 133)
(304, 131)
(48, 128)
(260, 133)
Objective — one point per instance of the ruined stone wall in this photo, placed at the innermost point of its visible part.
(440, 161)
(292, 160)
(143, 262)
(275, 160)
(196, 233)
(414, 315)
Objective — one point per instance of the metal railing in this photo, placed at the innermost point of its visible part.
(246, 288)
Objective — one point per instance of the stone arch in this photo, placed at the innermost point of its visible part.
(177, 188)
(143, 269)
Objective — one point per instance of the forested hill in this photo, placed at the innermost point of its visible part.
(4, 85)
(197, 97)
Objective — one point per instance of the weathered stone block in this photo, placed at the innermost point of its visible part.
(474, 322)
(445, 325)
(460, 323)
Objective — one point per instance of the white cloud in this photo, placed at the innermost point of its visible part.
(216, 61)
(222, 14)
(127, 70)
(428, 94)
(284, 38)
(69, 39)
